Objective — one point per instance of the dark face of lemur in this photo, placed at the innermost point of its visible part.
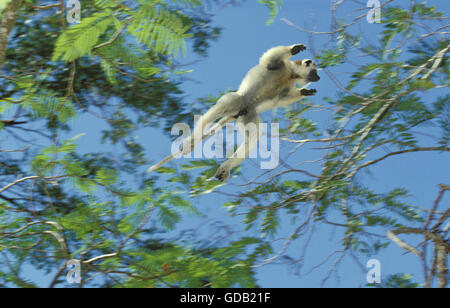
(307, 70)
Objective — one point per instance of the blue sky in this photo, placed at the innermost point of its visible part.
(244, 38)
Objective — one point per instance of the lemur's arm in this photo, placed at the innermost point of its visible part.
(294, 95)
(274, 58)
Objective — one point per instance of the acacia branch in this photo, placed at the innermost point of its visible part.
(441, 262)
(34, 177)
(12, 122)
(57, 235)
(6, 25)
(115, 35)
(392, 234)
(14, 151)
(338, 30)
(44, 7)
(324, 139)
(48, 178)
(437, 58)
(443, 189)
(111, 255)
(372, 162)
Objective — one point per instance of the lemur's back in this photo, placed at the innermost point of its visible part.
(261, 84)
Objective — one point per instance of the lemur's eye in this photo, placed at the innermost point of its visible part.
(308, 62)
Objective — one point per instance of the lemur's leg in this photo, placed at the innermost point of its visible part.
(274, 58)
(249, 126)
(227, 105)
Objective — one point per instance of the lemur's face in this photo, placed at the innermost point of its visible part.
(306, 70)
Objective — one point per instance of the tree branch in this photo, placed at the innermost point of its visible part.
(115, 35)
(372, 162)
(45, 7)
(6, 25)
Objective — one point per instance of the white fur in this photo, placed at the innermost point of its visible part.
(270, 84)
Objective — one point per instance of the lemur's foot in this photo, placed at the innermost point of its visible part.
(223, 173)
(297, 48)
(308, 92)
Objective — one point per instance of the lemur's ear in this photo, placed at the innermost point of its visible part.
(298, 62)
(308, 62)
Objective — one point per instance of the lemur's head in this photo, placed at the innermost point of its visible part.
(305, 71)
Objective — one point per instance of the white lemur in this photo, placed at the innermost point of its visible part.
(268, 85)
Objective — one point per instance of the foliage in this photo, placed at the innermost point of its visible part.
(274, 7)
(397, 281)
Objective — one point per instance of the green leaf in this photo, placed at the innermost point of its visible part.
(78, 40)
(166, 170)
(274, 7)
(197, 164)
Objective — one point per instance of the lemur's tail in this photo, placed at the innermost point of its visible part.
(210, 132)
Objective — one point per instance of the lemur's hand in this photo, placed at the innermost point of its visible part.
(295, 49)
(308, 92)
